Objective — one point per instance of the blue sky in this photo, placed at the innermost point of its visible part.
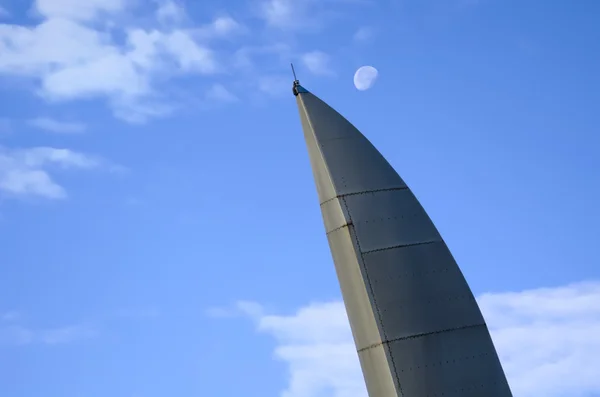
(159, 228)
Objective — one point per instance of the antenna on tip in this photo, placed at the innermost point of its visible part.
(297, 88)
(294, 73)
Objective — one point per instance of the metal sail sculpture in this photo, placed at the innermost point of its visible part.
(417, 327)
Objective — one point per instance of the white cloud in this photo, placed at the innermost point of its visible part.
(282, 13)
(57, 126)
(222, 27)
(77, 9)
(547, 340)
(317, 62)
(26, 172)
(190, 56)
(246, 308)
(272, 54)
(9, 316)
(225, 25)
(59, 336)
(16, 335)
(218, 93)
(275, 86)
(173, 14)
(73, 58)
(131, 54)
(294, 15)
(303, 15)
(170, 12)
(363, 34)
(221, 312)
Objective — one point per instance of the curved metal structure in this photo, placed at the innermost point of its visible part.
(417, 327)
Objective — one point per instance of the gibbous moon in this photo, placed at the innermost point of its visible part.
(365, 77)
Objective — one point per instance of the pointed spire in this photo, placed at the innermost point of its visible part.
(417, 327)
(343, 159)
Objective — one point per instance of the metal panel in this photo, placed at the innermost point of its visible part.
(328, 123)
(325, 188)
(351, 163)
(354, 290)
(419, 289)
(460, 363)
(389, 218)
(335, 215)
(376, 370)
(349, 157)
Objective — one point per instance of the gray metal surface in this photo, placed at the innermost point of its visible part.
(416, 325)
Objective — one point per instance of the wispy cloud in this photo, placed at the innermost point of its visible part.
(73, 57)
(14, 332)
(135, 55)
(16, 335)
(9, 316)
(78, 10)
(317, 62)
(63, 335)
(170, 12)
(299, 15)
(218, 93)
(221, 312)
(221, 27)
(274, 85)
(245, 58)
(173, 15)
(241, 308)
(284, 14)
(61, 127)
(363, 34)
(547, 340)
(26, 172)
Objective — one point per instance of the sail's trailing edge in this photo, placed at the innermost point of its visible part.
(417, 327)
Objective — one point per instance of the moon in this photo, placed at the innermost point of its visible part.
(365, 77)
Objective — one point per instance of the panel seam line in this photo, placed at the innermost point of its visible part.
(339, 196)
(421, 335)
(401, 246)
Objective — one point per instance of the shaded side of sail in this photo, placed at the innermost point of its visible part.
(417, 327)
